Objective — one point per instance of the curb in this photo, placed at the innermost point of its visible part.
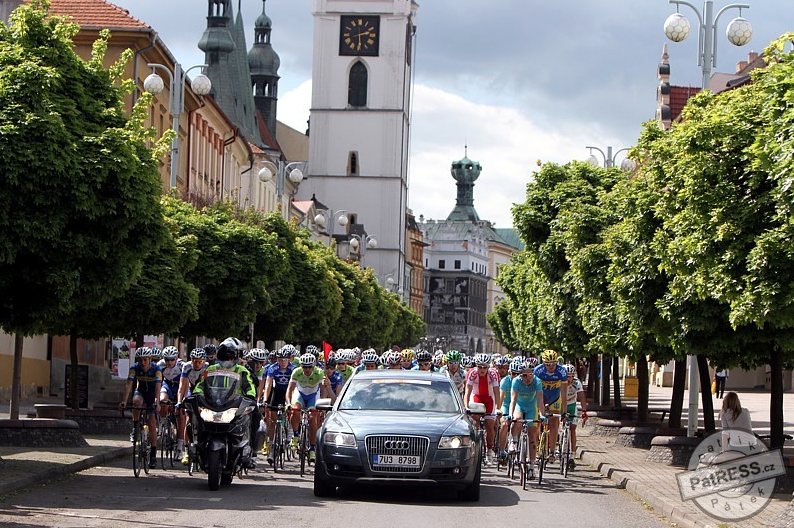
(623, 479)
(65, 469)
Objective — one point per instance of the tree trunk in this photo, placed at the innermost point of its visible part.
(606, 366)
(643, 388)
(74, 375)
(16, 377)
(592, 378)
(616, 381)
(705, 393)
(677, 399)
(776, 399)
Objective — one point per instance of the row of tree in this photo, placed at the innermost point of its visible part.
(691, 254)
(89, 246)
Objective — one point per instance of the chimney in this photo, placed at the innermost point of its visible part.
(752, 56)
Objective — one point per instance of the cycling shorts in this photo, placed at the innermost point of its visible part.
(555, 407)
(572, 410)
(148, 398)
(277, 397)
(528, 413)
(489, 404)
(305, 401)
(169, 391)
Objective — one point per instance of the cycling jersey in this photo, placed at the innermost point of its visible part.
(280, 377)
(171, 375)
(346, 372)
(526, 395)
(307, 387)
(552, 383)
(574, 388)
(145, 380)
(506, 386)
(335, 380)
(192, 374)
(458, 378)
(481, 387)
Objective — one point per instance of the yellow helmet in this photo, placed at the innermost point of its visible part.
(549, 356)
(408, 354)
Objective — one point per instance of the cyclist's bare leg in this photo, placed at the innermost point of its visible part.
(490, 432)
(554, 425)
(573, 439)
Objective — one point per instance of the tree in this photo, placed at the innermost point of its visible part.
(79, 196)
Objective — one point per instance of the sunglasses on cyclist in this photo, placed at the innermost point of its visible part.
(424, 363)
(550, 363)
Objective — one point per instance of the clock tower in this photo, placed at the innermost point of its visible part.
(359, 123)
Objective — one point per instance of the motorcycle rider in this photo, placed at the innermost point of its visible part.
(227, 353)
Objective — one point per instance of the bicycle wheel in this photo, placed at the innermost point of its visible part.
(565, 451)
(543, 446)
(511, 461)
(303, 447)
(136, 440)
(165, 442)
(276, 447)
(143, 449)
(523, 456)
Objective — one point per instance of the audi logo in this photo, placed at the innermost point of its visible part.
(396, 444)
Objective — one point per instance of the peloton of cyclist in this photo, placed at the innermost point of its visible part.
(302, 392)
(554, 378)
(482, 386)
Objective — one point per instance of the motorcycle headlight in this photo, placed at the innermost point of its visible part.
(340, 439)
(208, 415)
(454, 442)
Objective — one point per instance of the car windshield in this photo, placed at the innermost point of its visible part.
(400, 395)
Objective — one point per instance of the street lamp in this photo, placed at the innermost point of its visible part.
(281, 172)
(154, 84)
(739, 33)
(360, 245)
(609, 159)
(327, 219)
(390, 281)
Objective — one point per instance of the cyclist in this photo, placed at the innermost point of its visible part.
(453, 370)
(191, 372)
(438, 359)
(525, 396)
(302, 392)
(554, 378)
(424, 361)
(332, 383)
(171, 367)
(482, 386)
(147, 379)
(575, 393)
(369, 360)
(502, 366)
(505, 392)
(211, 351)
(278, 376)
(394, 361)
(344, 360)
(408, 361)
(228, 352)
(257, 357)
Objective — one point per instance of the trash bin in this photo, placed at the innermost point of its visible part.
(631, 387)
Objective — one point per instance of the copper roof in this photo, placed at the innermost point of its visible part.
(97, 14)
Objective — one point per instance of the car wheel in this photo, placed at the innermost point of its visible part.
(321, 487)
(471, 492)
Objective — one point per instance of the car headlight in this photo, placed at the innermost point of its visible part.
(208, 415)
(454, 442)
(340, 439)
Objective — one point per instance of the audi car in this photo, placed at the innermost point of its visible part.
(398, 427)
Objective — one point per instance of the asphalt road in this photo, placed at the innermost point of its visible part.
(110, 496)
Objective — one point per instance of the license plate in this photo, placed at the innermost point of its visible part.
(396, 460)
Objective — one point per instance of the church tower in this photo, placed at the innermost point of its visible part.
(264, 63)
(360, 121)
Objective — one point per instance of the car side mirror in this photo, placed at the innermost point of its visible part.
(476, 408)
(324, 404)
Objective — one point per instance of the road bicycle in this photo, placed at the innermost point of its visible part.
(278, 446)
(543, 448)
(190, 445)
(303, 439)
(167, 435)
(564, 443)
(140, 441)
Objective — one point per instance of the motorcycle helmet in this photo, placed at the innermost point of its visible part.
(228, 351)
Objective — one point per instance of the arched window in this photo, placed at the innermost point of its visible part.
(357, 86)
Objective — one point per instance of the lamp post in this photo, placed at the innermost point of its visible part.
(154, 84)
(739, 33)
(281, 171)
(327, 219)
(390, 281)
(610, 159)
(361, 243)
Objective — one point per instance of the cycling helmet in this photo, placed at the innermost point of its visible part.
(290, 351)
(438, 360)
(482, 360)
(313, 350)
(257, 354)
(570, 368)
(423, 355)
(517, 365)
(453, 356)
(549, 356)
(308, 360)
(170, 352)
(271, 355)
(211, 350)
(246, 354)
(330, 363)
(143, 352)
(198, 353)
(467, 362)
(231, 348)
(501, 361)
(407, 354)
(369, 356)
(532, 362)
(394, 358)
(282, 353)
(156, 352)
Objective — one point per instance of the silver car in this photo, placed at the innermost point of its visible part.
(398, 427)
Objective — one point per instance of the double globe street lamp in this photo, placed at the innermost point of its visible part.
(281, 172)
(360, 243)
(154, 84)
(610, 159)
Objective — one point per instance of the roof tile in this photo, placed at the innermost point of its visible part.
(97, 14)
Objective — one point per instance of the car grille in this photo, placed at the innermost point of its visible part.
(408, 446)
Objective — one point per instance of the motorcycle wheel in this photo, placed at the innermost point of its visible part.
(214, 470)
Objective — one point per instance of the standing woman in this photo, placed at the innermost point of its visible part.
(737, 418)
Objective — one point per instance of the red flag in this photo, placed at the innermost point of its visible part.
(326, 350)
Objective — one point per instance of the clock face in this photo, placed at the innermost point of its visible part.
(359, 35)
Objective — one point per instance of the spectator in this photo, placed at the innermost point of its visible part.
(720, 376)
(734, 417)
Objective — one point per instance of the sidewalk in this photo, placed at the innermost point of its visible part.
(655, 483)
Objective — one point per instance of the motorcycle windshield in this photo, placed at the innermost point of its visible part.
(220, 387)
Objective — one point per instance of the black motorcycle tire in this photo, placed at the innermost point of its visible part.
(214, 470)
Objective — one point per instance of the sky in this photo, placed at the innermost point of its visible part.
(518, 82)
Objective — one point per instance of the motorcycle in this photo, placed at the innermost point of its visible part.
(223, 424)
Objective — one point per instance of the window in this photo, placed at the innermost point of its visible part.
(457, 264)
(442, 264)
(352, 163)
(357, 85)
